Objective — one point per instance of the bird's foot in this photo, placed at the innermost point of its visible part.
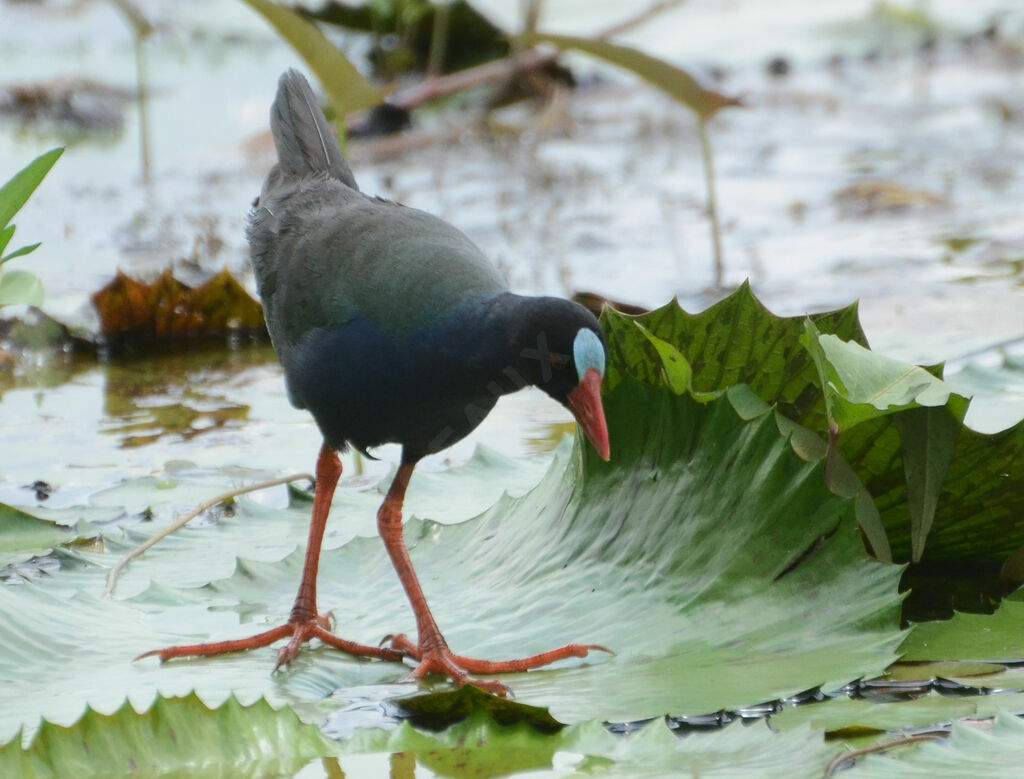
(300, 630)
(439, 659)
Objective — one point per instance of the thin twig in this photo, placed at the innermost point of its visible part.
(882, 747)
(115, 572)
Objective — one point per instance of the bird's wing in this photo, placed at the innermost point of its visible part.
(326, 254)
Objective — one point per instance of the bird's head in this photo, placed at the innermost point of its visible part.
(562, 351)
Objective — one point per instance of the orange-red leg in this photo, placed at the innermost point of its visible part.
(304, 623)
(432, 650)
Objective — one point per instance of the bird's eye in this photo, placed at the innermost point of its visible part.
(559, 362)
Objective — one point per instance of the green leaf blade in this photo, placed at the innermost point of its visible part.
(19, 252)
(671, 80)
(5, 238)
(347, 90)
(15, 193)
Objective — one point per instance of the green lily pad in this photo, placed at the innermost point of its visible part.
(928, 474)
(707, 554)
(701, 614)
(479, 747)
(175, 736)
(998, 636)
(849, 717)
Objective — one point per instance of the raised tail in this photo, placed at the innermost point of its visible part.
(305, 143)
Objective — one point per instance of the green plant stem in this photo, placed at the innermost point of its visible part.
(439, 39)
(709, 179)
(143, 92)
(141, 28)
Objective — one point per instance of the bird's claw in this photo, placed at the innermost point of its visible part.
(300, 630)
(440, 660)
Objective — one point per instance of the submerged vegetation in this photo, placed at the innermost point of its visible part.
(793, 528)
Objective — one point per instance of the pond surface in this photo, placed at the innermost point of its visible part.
(880, 169)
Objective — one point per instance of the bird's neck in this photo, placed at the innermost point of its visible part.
(483, 340)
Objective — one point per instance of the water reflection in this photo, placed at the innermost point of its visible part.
(180, 395)
(81, 425)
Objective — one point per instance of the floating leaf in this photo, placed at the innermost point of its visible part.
(481, 747)
(671, 80)
(18, 287)
(132, 311)
(640, 560)
(998, 636)
(738, 340)
(735, 341)
(20, 531)
(707, 554)
(176, 736)
(348, 91)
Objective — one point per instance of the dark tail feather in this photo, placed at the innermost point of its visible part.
(305, 143)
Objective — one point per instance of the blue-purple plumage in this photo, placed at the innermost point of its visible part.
(391, 325)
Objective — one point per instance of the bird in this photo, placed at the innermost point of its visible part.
(393, 327)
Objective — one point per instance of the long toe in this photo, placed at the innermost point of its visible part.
(440, 660)
(300, 632)
(443, 663)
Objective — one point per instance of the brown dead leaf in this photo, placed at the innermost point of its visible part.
(132, 310)
(871, 196)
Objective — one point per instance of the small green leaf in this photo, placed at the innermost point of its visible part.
(19, 252)
(18, 287)
(860, 384)
(673, 81)
(347, 89)
(17, 191)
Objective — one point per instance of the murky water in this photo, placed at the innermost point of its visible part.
(602, 191)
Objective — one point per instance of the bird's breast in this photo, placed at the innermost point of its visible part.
(367, 386)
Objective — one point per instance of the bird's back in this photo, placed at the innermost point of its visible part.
(325, 254)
